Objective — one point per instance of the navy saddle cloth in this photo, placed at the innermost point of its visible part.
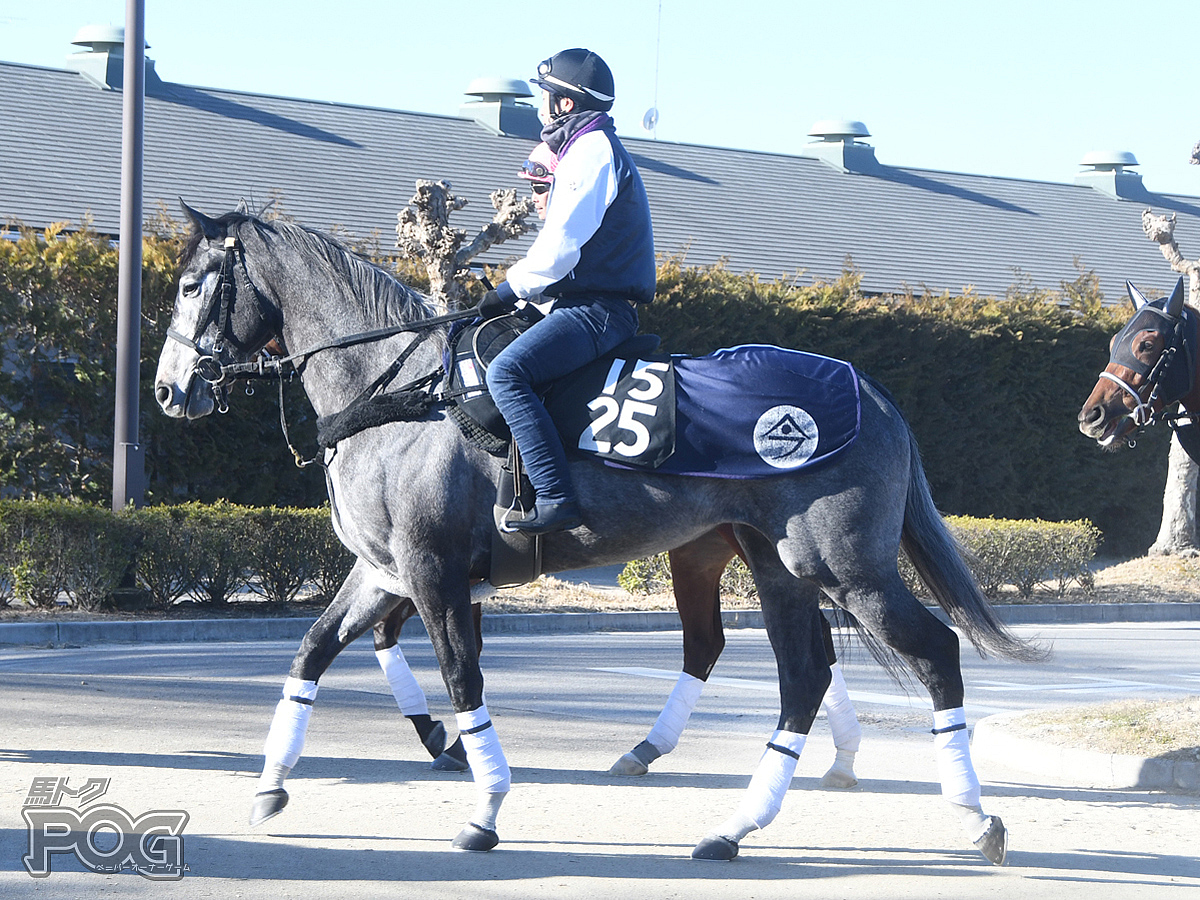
(750, 411)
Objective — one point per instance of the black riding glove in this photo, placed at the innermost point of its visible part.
(493, 305)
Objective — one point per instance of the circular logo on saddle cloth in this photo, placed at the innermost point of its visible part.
(786, 437)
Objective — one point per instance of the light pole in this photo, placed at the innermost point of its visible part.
(129, 456)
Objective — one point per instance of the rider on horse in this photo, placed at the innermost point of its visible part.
(591, 264)
(538, 170)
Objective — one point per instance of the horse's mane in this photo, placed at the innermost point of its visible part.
(385, 300)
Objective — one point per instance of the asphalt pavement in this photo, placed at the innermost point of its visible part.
(179, 727)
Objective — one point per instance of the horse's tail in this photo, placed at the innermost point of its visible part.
(940, 561)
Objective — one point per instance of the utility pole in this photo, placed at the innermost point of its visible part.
(129, 456)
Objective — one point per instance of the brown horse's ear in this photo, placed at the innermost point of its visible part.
(1175, 304)
(206, 226)
(1135, 296)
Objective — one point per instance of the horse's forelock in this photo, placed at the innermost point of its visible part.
(196, 236)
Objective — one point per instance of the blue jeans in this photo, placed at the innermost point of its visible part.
(576, 332)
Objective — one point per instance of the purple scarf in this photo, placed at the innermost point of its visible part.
(562, 132)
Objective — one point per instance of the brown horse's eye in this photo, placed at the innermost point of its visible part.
(1145, 346)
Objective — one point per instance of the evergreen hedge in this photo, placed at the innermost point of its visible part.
(991, 386)
(1010, 559)
(55, 549)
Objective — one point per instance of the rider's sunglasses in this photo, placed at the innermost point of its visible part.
(540, 187)
(535, 169)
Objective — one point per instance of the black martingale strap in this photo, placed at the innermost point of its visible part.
(784, 750)
(959, 727)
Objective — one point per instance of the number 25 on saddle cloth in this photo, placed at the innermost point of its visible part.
(750, 411)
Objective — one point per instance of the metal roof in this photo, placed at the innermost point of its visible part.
(352, 167)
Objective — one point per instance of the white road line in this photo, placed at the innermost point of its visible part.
(905, 701)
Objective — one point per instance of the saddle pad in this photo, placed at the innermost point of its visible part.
(755, 410)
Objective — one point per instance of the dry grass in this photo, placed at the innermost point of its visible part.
(550, 594)
(1149, 728)
(1148, 579)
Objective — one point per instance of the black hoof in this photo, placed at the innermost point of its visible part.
(453, 759)
(715, 847)
(476, 839)
(994, 843)
(435, 741)
(447, 763)
(267, 805)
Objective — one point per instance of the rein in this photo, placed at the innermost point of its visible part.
(217, 374)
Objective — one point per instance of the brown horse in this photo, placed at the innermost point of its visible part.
(696, 569)
(1152, 366)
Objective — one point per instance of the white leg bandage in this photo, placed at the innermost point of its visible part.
(672, 720)
(843, 721)
(960, 785)
(409, 696)
(764, 797)
(285, 739)
(489, 768)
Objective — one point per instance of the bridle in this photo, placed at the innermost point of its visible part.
(211, 368)
(1167, 381)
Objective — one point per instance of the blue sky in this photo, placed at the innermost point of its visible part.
(1012, 89)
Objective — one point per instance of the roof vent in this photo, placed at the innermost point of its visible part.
(839, 148)
(103, 62)
(499, 109)
(1106, 173)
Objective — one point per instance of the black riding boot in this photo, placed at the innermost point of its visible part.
(548, 516)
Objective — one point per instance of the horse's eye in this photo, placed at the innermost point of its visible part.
(1145, 346)
(190, 288)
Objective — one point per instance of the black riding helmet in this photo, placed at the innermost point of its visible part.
(579, 74)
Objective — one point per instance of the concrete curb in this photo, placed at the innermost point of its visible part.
(286, 629)
(163, 631)
(993, 740)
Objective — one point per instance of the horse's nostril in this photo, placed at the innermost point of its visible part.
(162, 394)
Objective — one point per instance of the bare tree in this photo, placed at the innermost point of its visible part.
(424, 232)
(1177, 533)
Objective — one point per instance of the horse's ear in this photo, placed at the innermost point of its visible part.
(1175, 304)
(208, 227)
(1135, 296)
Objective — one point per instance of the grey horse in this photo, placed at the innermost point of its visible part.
(413, 501)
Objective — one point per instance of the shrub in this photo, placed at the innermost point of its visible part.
(293, 548)
(332, 562)
(52, 550)
(167, 557)
(61, 548)
(223, 551)
(1022, 554)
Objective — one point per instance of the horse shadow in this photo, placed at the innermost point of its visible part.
(342, 858)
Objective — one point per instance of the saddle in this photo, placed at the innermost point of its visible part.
(634, 371)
